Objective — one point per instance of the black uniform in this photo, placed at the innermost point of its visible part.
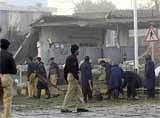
(71, 66)
(133, 81)
(149, 82)
(86, 76)
(42, 80)
(31, 68)
(108, 71)
(54, 69)
(7, 63)
(7, 66)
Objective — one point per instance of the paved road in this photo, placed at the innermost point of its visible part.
(125, 111)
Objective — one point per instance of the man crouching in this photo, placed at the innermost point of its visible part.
(133, 81)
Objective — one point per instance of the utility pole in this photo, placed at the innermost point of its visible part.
(135, 35)
(157, 3)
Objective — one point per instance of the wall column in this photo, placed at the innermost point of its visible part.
(124, 36)
(44, 46)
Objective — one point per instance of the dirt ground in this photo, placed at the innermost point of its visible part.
(24, 107)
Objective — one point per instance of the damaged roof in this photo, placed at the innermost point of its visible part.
(48, 20)
(119, 14)
(100, 19)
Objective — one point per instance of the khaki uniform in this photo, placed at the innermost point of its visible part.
(53, 76)
(7, 95)
(74, 91)
(53, 81)
(32, 85)
(8, 67)
(42, 82)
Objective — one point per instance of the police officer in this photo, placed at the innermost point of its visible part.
(149, 82)
(86, 79)
(42, 78)
(115, 81)
(7, 67)
(31, 71)
(54, 74)
(74, 90)
(107, 66)
(133, 81)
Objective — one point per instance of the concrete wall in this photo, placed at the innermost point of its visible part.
(72, 35)
(117, 38)
(116, 54)
(66, 37)
(61, 54)
(123, 36)
(110, 38)
(43, 46)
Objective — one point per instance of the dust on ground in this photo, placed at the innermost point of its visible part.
(30, 108)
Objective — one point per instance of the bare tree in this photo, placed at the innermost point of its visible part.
(157, 4)
(151, 4)
(89, 6)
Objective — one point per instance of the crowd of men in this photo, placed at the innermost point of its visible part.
(79, 88)
(37, 78)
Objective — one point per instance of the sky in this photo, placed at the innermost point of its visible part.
(26, 2)
(67, 6)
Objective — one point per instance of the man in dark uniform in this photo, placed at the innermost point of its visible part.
(107, 66)
(7, 67)
(42, 78)
(115, 81)
(149, 82)
(54, 74)
(74, 90)
(31, 71)
(133, 81)
(86, 79)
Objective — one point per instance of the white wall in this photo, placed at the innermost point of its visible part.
(66, 36)
(123, 36)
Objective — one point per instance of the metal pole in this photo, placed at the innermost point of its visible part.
(135, 35)
(20, 74)
(152, 43)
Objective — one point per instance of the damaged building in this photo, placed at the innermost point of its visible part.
(15, 22)
(98, 34)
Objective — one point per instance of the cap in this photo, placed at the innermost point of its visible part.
(4, 43)
(74, 48)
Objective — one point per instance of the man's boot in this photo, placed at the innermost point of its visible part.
(65, 111)
(82, 110)
(48, 93)
(38, 93)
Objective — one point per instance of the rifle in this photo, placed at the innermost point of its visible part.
(42, 79)
(1, 93)
(55, 86)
